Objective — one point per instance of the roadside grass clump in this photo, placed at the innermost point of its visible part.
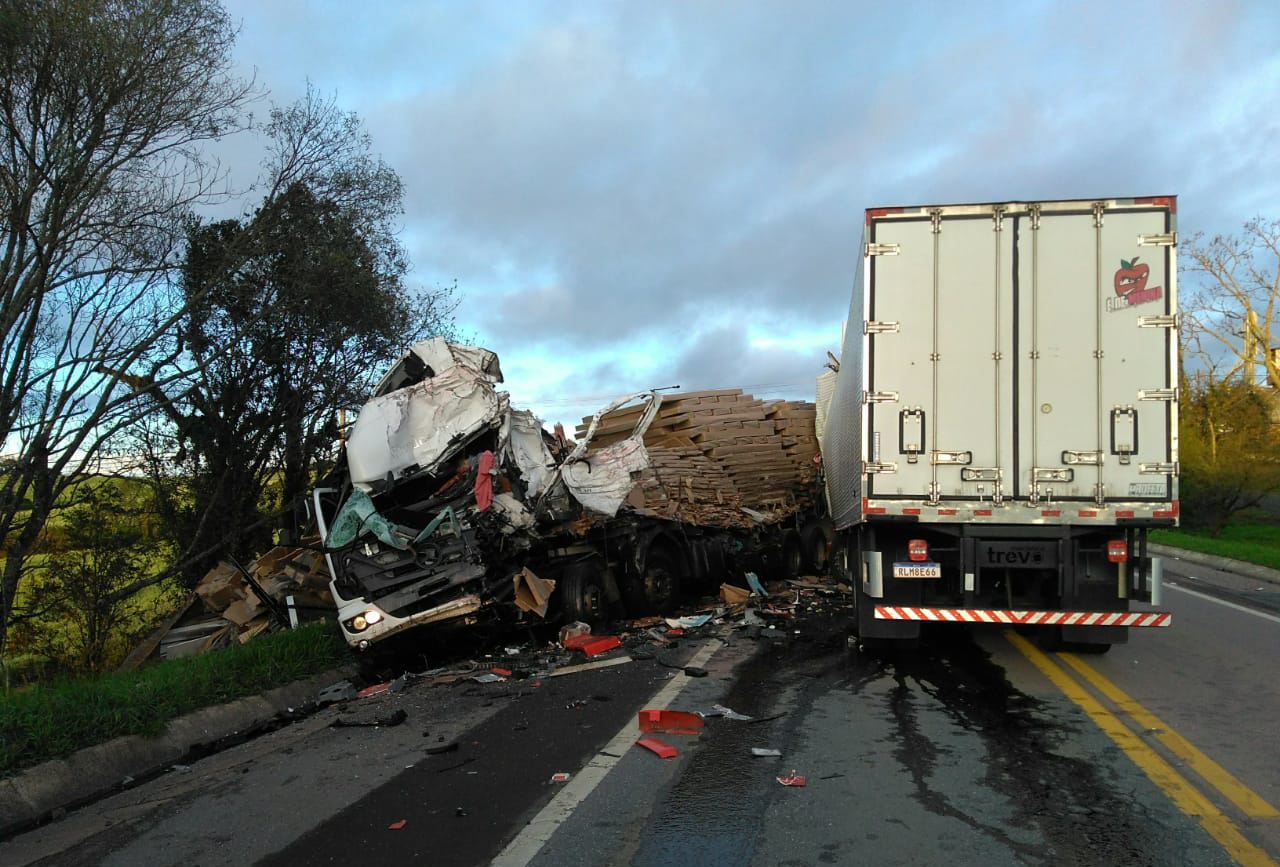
(53, 720)
(1252, 536)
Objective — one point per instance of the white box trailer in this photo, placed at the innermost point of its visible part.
(1003, 429)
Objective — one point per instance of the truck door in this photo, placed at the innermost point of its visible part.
(1096, 398)
(941, 384)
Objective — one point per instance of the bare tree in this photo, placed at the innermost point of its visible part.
(1229, 448)
(107, 107)
(1231, 313)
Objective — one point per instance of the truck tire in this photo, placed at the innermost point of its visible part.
(815, 545)
(657, 587)
(582, 596)
(793, 561)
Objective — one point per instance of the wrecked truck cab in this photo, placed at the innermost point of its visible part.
(439, 472)
(453, 508)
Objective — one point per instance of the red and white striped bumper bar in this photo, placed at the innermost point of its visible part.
(1024, 618)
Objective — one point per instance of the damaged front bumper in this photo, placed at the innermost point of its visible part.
(384, 625)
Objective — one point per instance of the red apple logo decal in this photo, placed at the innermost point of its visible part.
(1131, 277)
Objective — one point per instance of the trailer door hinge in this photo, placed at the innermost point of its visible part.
(1163, 320)
(1168, 239)
(881, 249)
(1158, 394)
(870, 327)
(879, 397)
(1158, 469)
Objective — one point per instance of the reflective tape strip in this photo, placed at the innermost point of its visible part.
(1034, 618)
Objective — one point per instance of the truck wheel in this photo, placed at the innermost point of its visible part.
(657, 588)
(792, 556)
(813, 542)
(582, 594)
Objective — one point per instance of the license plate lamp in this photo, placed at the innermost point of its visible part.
(917, 550)
(1117, 551)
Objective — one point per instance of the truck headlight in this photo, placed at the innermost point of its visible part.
(364, 620)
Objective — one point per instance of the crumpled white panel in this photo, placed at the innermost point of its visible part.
(421, 425)
(522, 438)
(602, 481)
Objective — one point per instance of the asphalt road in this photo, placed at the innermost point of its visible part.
(975, 747)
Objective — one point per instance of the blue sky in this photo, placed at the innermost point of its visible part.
(646, 194)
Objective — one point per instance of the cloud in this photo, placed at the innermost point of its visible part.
(637, 187)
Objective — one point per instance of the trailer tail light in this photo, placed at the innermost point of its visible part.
(918, 550)
(1117, 551)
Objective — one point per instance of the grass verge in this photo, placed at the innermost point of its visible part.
(1253, 537)
(54, 720)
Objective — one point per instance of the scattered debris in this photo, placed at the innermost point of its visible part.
(489, 677)
(660, 749)
(391, 720)
(344, 691)
(281, 588)
(376, 689)
(592, 645)
(560, 778)
(688, 622)
(765, 753)
(792, 779)
(671, 722)
(396, 826)
(450, 747)
(586, 666)
(731, 594)
(754, 583)
(573, 630)
(719, 710)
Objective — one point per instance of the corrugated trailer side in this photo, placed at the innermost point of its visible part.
(1003, 430)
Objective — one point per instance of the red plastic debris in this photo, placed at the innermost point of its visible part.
(670, 722)
(373, 690)
(590, 645)
(505, 672)
(674, 631)
(396, 826)
(663, 751)
(792, 779)
(484, 482)
(560, 777)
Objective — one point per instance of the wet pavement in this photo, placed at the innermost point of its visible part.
(922, 757)
(956, 751)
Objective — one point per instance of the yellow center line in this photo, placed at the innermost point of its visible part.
(1248, 801)
(1184, 795)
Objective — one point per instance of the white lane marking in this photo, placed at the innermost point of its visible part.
(1209, 598)
(529, 842)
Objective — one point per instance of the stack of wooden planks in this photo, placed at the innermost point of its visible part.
(720, 458)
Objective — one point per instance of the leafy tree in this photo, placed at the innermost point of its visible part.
(105, 109)
(1229, 448)
(298, 332)
(104, 547)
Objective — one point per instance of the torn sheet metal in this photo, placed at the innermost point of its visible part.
(417, 428)
(522, 437)
(602, 480)
(431, 357)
